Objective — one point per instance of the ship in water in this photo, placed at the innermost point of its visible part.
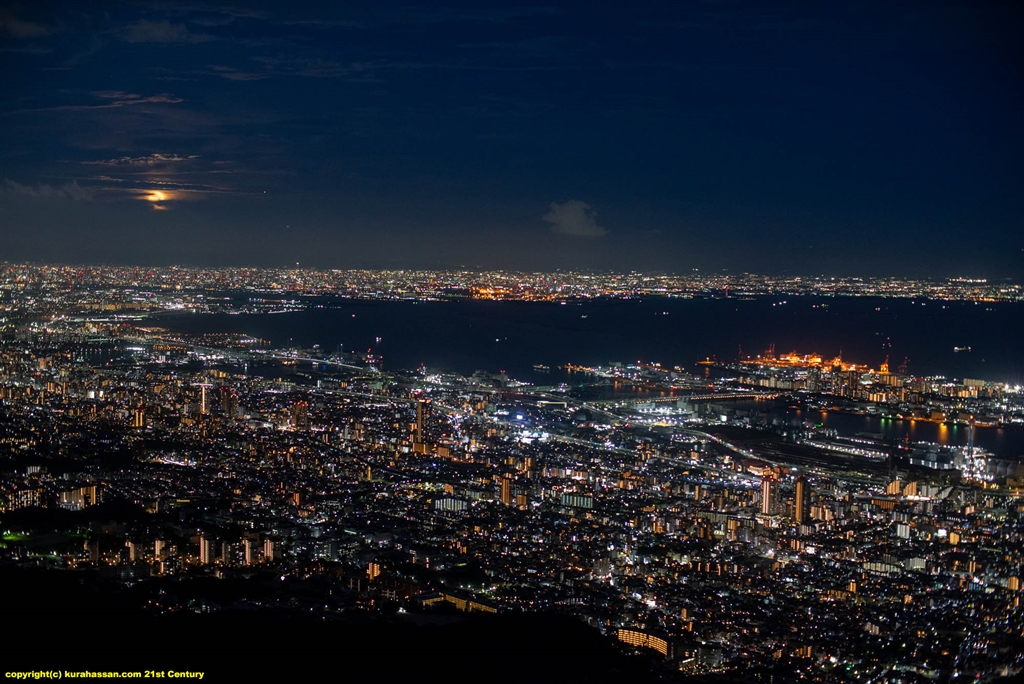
(541, 368)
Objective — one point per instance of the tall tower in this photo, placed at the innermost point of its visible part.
(506, 490)
(228, 402)
(769, 494)
(801, 500)
(419, 421)
(422, 413)
(973, 471)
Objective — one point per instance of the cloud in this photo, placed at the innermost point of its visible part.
(115, 95)
(159, 194)
(19, 28)
(315, 66)
(70, 190)
(148, 160)
(574, 218)
(298, 65)
(121, 98)
(161, 32)
(233, 74)
(156, 197)
(117, 98)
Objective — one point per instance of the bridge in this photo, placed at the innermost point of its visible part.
(689, 397)
(325, 362)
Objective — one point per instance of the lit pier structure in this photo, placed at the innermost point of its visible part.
(796, 360)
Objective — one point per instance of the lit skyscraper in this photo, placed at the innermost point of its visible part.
(800, 504)
(769, 494)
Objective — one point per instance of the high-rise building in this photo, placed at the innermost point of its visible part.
(206, 551)
(506, 490)
(421, 409)
(300, 415)
(75, 499)
(250, 550)
(228, 402)
(769, 494)
(800, 504)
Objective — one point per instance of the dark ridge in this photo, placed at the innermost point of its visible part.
(65, 623)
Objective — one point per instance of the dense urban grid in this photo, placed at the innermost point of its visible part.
(167, 287)
(680, 520)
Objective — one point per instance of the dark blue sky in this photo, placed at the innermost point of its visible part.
(807, 137)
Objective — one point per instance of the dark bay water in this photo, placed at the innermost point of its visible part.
(465, 336)
(1003, 442)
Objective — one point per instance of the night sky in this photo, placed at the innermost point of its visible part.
(812, 137)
